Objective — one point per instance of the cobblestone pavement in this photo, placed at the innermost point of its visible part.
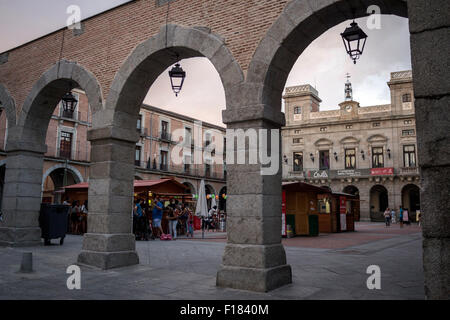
(328, 267)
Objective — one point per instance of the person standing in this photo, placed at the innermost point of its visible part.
(157, 214)
(211, 215)
(393, 220)
(137, 221)
(190, 223)
(387, 217)
(173, 221)
(75, 217)
(400, 217)
(406, 217)
(84, 214)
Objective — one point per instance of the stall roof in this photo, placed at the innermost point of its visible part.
(301, 186)
(137, 184)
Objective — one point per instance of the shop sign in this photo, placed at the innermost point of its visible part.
(317, 174)
(382, 171)
(348, 173)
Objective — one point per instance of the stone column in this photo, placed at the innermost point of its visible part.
(364, 196)
(430, 38)
(254, 257)
(22, 198)
(109, 242)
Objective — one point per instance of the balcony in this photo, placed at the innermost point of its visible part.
(165, 136)
(409, 171)
(143, 132)
(163, 167)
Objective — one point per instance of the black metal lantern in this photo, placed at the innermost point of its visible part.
(177, 75)
(69, 102)
(354, 40)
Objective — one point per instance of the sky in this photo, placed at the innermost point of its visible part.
(323, 64)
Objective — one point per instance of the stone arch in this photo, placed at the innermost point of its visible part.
(46, 93)
(378, 202)
(209, 188)
(300, 23)
(8, 103)
(410, 199)
(190, 186)
(75, 172)
(150, 58)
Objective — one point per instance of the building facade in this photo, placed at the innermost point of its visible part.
(67, 159)
(368, 151)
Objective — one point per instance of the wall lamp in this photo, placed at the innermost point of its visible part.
(285, 159)
(389, 153)
(312, 157)
(336, 156)
(363, 155)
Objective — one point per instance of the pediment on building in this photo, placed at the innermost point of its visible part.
(377, 138)
(323, 142)
(349, 140)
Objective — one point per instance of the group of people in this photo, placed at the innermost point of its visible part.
(146, 226)
(403, 217)
(77, 216)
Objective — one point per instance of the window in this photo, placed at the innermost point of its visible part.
(139, 123)
(207, 170)
(406, 97)
(348, 127)
(187, 164)
(407, 122)
(297, 140)
(324, 158)
(65, 145)
(409, 132)
(297, 131)
(165, 130)
(164, 158)
(137, 157)
(377, 157)
(298, 110)
(376, 124)
(188, 136)
(298, 161)
(208, 139)
(350, 158)
(409, 156)
(323, 129)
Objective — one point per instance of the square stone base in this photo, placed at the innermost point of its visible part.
(254, 279)
(108, 251)
(108, 260)
(20, 237)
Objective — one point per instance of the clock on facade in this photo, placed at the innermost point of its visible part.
(348, 108)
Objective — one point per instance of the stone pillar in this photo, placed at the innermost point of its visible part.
(364, 196)
(254, 257)
(22, 198)
(430, 38)
(109, 242)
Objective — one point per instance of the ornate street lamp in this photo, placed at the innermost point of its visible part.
(69, 102)
(354, 40)
(177, 76)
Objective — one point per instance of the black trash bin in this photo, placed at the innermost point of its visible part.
(53, 220)
(313, 225)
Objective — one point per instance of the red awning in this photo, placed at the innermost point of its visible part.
(137, 184)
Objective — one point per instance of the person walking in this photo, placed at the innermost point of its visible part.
(387, 217)
(137, 219)
(157, 214)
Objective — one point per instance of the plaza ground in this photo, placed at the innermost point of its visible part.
(331, 266)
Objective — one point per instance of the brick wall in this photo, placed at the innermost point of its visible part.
(110, 37)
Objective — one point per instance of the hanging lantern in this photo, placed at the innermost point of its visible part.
(354, 40)
(217, 197)
(177, 75)
(69, 102)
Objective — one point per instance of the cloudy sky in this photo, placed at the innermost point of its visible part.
(323, 64)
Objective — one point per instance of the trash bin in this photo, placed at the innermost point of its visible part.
(53, 220)
(313, 221)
